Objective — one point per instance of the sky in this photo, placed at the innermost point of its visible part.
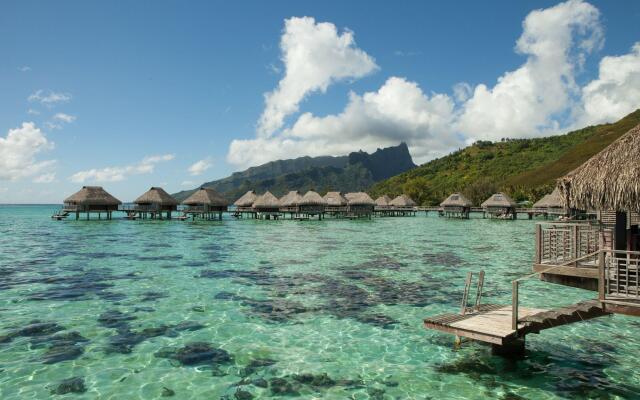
(129, 95)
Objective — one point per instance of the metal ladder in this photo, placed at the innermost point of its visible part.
(467, 287)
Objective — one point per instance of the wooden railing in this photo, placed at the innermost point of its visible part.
(619, 275)
(557, 243)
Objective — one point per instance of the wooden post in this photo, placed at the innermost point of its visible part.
(465, 295)
(538, 243)
(514, 305)
(574, 242)
(479, 290)
(601, 276)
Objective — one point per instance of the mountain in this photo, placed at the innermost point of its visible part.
(354, 172)
(524, 168)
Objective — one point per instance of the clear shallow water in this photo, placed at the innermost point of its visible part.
(329, 309)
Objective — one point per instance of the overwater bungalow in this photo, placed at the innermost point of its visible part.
(267, 206)
(311, 204)
(550, 205)
(402, 205)
(359, 205)
(205, 203)
(153, 203)
(337, 204)
(499, 205)
(244, 205)
(382, 205)
(289, 203)
(456, 206)
(602, 257)
(89, 200)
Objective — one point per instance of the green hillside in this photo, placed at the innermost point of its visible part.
(524, 168)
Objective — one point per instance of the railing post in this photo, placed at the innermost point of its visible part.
(465, 295)
(601, 276)
(514, 305)
(538, 244)
(574, 251)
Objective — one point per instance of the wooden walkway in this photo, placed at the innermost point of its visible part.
(493, 323)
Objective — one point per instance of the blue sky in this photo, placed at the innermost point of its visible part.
(133, 94)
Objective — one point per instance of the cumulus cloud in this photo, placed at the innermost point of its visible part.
(49, 98)
(64, 117)
(18, 151)
(541, 97)
(527, 101)
(314, 55)
(616, 91)
(398, 111)
(115, 174)
(199, 167)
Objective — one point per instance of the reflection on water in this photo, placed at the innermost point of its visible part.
(257, 309)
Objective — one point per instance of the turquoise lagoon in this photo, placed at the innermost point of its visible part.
(267, 309)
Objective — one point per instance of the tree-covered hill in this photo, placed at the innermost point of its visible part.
(524, 168)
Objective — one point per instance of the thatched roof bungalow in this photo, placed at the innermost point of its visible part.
(205, 200)
(500, 205)
(403, 202)
(156, 199)
(245, 202)
(267, 204)
(550, 204)
(359, 204)
(609, 182)
(312, 204)
(382, 203)
(336, 202)
(456, 205)
(91, 198)
(289, 202)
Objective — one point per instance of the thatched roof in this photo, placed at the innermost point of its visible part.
(290, 199)
(383, 201)
(246, 200)
(359, 199)
(551, 200)
(402, 201)
(335, 199)
(499, 200)
(206, 196)
(312, 198)
(92, 196)
(456, 200)
(157, 195)
(610, 180)
(267, 200)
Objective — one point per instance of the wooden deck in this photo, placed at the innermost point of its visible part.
(491, 323)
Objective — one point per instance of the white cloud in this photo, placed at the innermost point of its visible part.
(49, 98)
(31, 111)
(114, 174)
(64, 117)
(48, 177)
(200, 167)
(188, 183)
(527, 101)
(615, 93)
(398, 111)
(314, 55)
(540, 97)
(18, 152)
(24, 68)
